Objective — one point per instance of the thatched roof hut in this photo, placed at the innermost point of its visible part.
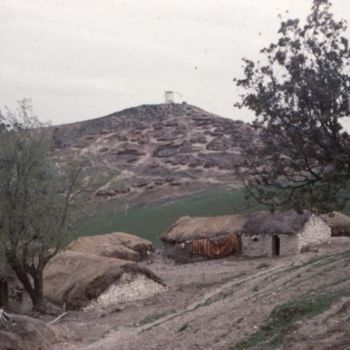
(193, 238)
(114, 245)
(282, 233)
(76, 279)
(190, 228)
(339, 223)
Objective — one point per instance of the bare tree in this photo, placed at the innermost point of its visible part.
(300, 93)
(36, 199)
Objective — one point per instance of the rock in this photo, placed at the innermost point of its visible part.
(167, 150)
(210, 163)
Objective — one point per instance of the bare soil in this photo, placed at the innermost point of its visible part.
(218, 304)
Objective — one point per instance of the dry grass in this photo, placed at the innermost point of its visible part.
(191, 228)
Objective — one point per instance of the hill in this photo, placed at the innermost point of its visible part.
(152, 152)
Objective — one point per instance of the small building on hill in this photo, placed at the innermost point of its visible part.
(339, 223)
(282, 233)
(194, 238)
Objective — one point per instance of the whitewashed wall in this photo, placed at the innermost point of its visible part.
(316, 231)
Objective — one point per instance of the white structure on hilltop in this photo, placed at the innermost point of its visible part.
(169, 97)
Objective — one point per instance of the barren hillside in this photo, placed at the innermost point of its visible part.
(299, 302)
(152, 152)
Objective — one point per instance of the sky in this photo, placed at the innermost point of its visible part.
(82, 59)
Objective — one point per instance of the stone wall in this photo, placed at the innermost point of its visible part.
(316, 231)
(261, 245)
(257, 245)
(289, 244)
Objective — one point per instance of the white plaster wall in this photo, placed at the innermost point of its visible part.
(316, 231)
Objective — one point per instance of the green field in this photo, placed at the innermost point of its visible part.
(152, 220)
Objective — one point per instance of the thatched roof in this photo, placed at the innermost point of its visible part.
(78, 278)
(338, 222)
(190, 228)
(287, 222)
(113, 245)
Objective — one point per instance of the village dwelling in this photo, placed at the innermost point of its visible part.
(339, 223)
(194, 238)
(282, 233)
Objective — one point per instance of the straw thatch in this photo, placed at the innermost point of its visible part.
(75, 279)
(114, 245)
(192, 228)
(338, 222)
(288, 222)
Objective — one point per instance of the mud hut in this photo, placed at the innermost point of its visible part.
(119, 245)
(339, 223)
(194, 238)
(75, 279)
(282, 233)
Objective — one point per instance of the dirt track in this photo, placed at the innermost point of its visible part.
(214, 304)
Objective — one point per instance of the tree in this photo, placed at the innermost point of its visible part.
(36, 199)
(300, 95)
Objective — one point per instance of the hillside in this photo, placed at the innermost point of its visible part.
(151, 152)
(299, 302)
(150, 221)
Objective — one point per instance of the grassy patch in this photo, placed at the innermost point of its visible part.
(283, 316)
(150, 221)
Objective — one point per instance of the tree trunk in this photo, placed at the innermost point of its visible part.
(38, 300)
(25, 281)
(4, 297)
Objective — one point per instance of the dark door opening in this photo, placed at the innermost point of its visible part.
(275, 246)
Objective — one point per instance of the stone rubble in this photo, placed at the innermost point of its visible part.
(128, 288)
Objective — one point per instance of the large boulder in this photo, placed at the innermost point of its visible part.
(119, 245)
(25, 333)
(77, 279)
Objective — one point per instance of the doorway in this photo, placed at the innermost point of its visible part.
(276, 246)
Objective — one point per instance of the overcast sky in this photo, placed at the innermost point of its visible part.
(81, 59)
